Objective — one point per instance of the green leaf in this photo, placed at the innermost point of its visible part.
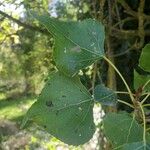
(121, 129)
(77, 44)
(105, 96)
(64, 109)
(144, 61)
(141, 80)
(135, 146)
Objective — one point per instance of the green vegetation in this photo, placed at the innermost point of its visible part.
(15, 109)
(100, 47)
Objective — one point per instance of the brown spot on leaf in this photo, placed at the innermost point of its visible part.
(49, 104)
(63, 95)
(57, 112)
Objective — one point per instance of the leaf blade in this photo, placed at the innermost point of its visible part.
(65, 112)
(105, 96)
(75, 42)
(144, 62)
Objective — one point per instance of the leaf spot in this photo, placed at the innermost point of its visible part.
(92, 44)
(65, 50)
(76, 49)
(65, 105)
(63, 95)
(49, 104)
(80, 108)
(57, 112)
(94, 33)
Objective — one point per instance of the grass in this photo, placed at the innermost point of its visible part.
(14, 109)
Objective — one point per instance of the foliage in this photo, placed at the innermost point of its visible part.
(71, 52)
(26, 53)
(65, 94)
(105, 96)
(64, 109)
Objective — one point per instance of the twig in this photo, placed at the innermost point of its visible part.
(24, 24)
(127, 8)
(141, 31)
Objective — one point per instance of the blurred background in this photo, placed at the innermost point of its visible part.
(26, 60)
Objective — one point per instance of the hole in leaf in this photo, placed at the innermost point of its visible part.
(57, 113)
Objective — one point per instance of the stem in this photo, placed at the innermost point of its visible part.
(123, 102)
(145, 93)
(145, 98)
(130, 93)
(122, 92)
(146, 105)
(147, 129)
(144, 124)
(94, 77)
(146, 84)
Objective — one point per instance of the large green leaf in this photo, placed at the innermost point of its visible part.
(144, 61)
(77, 44)
(121, 129)
(105, 96)
(141, 80)
(135, 146)
(64, 109)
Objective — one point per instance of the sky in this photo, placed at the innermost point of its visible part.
(11, 8)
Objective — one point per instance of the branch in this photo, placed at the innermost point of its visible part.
(131, 12)
(141, 31)
(127, 8)
(43, 31)
(125, 34)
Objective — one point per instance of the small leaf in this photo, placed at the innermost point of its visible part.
(144, 61)
(121, 129)
(105, 96)
(64, 109)
(77, 44)
(140, 81)
(135, 146)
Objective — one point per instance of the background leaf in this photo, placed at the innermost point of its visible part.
(77, 44)
(135, 146)
(121, 129)
(104, 95)
(144, 61)
(140, 80)
(65, 110)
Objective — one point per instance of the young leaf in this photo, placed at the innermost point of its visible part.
(122, 129)
(135, 146)
(144, 61)
(64, 109)
(77, 44)
(105, 96)
(141, 80)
